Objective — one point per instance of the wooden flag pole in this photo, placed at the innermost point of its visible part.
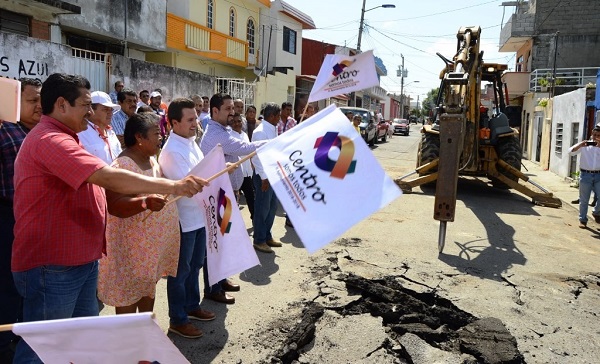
(303, 112)
(7, 327)
(226, 170)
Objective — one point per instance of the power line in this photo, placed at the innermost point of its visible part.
(441, 13)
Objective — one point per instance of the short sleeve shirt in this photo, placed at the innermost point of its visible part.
(60, 218)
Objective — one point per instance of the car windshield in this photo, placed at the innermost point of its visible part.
(363, 114)
(400, 121)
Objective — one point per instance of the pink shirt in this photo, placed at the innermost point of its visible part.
(60, 218)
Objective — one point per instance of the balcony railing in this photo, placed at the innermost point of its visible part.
(540, 79)
(187, 36)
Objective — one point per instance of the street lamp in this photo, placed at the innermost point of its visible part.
(362, 20)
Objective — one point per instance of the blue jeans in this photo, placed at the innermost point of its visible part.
(53, 292)
(10, 300)
(265, 206)
(588, 182)
(215, 288)
(183, 290)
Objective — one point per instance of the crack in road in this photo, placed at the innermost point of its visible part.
(518, 292)
(434, 320)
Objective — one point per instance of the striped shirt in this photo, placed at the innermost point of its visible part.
(11, 138)
(285, 126)
(232, 148)
(119, 119)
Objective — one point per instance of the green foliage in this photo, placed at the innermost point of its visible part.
(429, 101)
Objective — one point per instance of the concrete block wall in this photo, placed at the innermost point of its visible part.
(579, 37)
(569, 17)
(173, 82)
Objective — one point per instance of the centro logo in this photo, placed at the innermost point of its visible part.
(224, 220)
(344, 164)
(339, 67)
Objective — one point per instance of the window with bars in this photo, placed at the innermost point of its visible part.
(289, 40)
(250, 36)
(15, 23)
(231, 22)
(209, 14)
(558, 147)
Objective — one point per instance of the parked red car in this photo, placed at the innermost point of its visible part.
(401, 126)
(382, 131)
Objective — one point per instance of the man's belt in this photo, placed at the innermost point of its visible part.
(588, 171)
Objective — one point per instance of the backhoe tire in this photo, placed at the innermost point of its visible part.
(429, 149)
(509, 150)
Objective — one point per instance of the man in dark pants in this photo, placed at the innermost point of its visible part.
(11, 138)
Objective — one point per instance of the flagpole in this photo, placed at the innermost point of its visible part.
(303, 112)
(7, 327)
(226, 170)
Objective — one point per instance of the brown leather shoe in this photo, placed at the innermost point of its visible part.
(263, 247)
(186, 330)
(220, 297)
(201, 315)
(228, 286)
(274, 243)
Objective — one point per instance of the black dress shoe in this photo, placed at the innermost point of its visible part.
(220, 297)
(227, 286)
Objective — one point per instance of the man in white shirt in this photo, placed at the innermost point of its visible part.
(589, 176)
(265, 201)
(178, 156)
(99, 139)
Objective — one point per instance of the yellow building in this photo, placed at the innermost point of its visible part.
(214, 37)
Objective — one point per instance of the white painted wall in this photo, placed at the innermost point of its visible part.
(275, 20)
(568, 109)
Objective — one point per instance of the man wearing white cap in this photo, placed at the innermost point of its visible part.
(99, 139)
(155, 101)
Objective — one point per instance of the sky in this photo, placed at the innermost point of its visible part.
(415, 29)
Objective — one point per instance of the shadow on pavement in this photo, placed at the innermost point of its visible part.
(492, 257)
(261, 274)
(196, 350)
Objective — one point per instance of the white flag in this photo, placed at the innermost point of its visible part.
(228, 247)
(326, 177)
(340, 74)
(131, 338)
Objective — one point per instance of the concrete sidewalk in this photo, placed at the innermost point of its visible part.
(559, 186)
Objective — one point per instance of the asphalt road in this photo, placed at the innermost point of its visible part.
(505, 258)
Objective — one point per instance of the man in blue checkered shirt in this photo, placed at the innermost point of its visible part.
(11, 138)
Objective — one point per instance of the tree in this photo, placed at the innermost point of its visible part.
(429, 101)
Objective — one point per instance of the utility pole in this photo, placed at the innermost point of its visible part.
(360, 27)
(402, 88)
(554, 64)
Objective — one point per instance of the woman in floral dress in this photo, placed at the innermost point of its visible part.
(138, 253)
